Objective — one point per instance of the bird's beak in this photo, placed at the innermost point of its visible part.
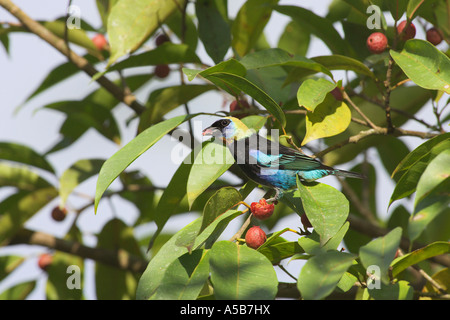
(210, 131)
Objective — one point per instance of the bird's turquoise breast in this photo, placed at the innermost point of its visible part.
(283, 179)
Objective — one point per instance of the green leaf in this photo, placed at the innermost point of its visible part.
(58, 277)
(130, 23)
(433, 204)
(213, 160)
(21, 206)
(311, 243)
(316, 25)
(213, 29)
(24, 154)
(241, 273)
(19, 291)
(381, 251)
(280, 249)
(249, 24)
(252, 90)
(436, 172)
(329, 118)
(409, 180)
(419, 152)
(164, 100)
(295, 39)
(321, 274)
(223, 200)
(76, 174)
(116, 235)
(400, 290)
(425, 65)
(326, 208)
(229, 66)
(277, 57)
(8, 264)
(186, 240)
(312, 92)
(339, 62)
(184, 277)
(21, 177)
(166, 53)
(434, 249)
(131, 151)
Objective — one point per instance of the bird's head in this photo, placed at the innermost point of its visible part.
(229, 128)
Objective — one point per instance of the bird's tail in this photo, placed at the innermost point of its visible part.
(348, 174)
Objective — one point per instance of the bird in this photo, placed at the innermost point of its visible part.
(268, 163)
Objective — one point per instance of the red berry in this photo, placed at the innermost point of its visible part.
(255, 237)
(45, 260)
(162, 71)
(262, 210)
(59, 214)
(305, 221)
(161, 39)
(434, 36)
(377, 42)
(100, 42)
(410, 33)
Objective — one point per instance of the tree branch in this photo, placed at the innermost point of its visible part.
(119, 258)
(60, 45)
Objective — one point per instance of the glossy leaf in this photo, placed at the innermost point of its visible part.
(208, 166)
(437, 201)
(24, 154)
(340, 62)
(313, 92)
(76, 174)
(186, 240)
(130, 23)
(19, 291)
(131, 151)
(327, 208)
(277, 57)
(116, 235)
(213, 29)
(329, 118)
(434, 249)
(8, 264)
(21, 177)
(164, 100)
(241, 273)
(425, 65)
(311, 243)
(249, 24)
(409, 180)
(223, 200)
(19, 207)
(321, 274)
(166, 53)
(401, 290)
(252, 90)
(436, 172)
(419, 152)
(380, 252)
(184, 277)
(295, 39)
(320, 27)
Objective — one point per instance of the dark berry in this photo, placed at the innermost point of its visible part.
(434, 36)
(162, 71)
(59, 214)
(162, 38)
(410, 32)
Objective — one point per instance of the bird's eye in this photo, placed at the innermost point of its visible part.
(225, 123)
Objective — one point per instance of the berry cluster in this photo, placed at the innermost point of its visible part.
(377, 41)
